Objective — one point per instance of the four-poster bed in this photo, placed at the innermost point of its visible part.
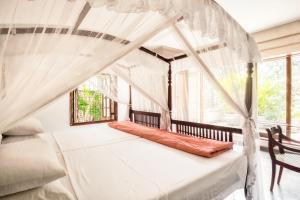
(59, 57)
(201, 130)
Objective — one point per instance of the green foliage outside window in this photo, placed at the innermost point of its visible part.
(296, 90)
(89, 103)
(270, 100)
(271, 91)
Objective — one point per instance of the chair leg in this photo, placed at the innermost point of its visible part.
(279, 175)
(273, 176)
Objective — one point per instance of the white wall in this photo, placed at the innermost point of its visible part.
(55, 116)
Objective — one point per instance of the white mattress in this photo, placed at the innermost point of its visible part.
(104, 163)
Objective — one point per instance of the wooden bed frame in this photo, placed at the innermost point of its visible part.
(149, 119)
(200, 130)
(220, 133)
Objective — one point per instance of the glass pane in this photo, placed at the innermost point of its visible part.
(296, 95)
(271, 89)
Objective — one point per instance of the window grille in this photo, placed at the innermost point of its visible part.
(89, 104)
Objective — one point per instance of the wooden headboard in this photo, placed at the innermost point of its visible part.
(221, 133)
(145, 118)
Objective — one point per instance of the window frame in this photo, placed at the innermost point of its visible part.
(72, 112)
(289, 87)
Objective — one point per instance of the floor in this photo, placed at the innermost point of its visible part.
(287, 190)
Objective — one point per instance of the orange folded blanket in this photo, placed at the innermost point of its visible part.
(198, 146)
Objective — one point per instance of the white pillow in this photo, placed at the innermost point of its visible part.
(15, 138)
(51, 191)
(29, 126)
(26, 165)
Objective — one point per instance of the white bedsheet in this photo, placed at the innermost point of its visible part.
(104, 163)
(89, 136)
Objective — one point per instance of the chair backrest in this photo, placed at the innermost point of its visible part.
(275, 136)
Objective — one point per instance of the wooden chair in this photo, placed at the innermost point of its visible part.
(285, 156)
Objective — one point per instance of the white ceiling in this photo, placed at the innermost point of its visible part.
(257, 15)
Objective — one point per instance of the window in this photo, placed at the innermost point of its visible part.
(279, 94)
(203, 102)
(88, 105)
(271, 91)
(295, 94)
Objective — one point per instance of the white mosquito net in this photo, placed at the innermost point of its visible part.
(49, 47)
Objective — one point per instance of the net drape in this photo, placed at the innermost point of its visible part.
(59, 59)
(110, 85)
(147, 76)
(209, 19)
(227, 72)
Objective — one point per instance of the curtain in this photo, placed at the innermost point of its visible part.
(108, 84)
(197, 99)
(180, 109)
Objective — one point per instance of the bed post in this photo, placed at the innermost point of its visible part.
(248, 98)
(249, 87)
(130, 104)
(170, 91)
(170, 88)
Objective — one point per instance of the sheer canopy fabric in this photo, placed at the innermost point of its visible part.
(43, 61)
(227, 71)
(148, 77)
(46, 50)
(209, 19)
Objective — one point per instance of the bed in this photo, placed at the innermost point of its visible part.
(104, 163)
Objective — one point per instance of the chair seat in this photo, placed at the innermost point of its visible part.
(289, 158)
